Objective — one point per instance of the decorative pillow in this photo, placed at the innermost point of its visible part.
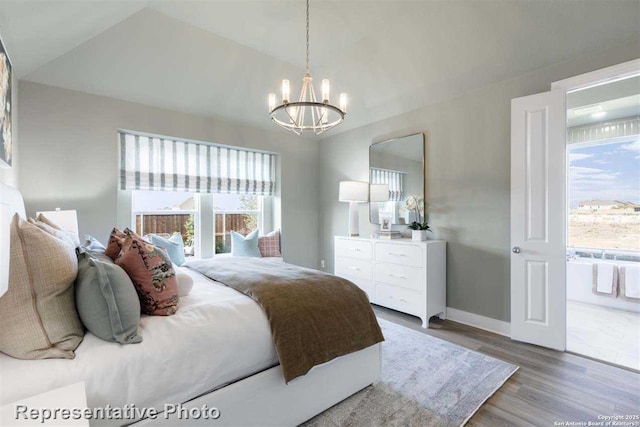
(62, 235)
(269, 245)
(174, 246)
(92, 244)
(39, 317)
(185, 282)
(245, 246)
(150, 270)
(116, 239)
(106, 299)
(74, 238)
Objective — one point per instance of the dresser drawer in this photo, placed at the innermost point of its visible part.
(412, 255)
(359, 249)
(400, 275)
(403, 300)
(365, 285)
(353, 267)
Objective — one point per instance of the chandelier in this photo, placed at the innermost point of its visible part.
(307, 113)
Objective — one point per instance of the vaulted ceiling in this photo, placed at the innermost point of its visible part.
(221, 58)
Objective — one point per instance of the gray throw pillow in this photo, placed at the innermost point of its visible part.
(107, 302)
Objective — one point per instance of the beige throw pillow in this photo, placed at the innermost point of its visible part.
(62, 235)
(70, 235)
(39, 317)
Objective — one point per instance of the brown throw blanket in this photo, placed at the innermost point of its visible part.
(314, 316)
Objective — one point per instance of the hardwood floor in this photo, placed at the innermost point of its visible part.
(550, 386)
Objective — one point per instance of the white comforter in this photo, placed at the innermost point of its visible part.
(217, 336)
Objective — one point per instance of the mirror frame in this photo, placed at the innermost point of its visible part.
(424, 155)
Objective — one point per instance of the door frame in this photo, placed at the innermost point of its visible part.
(598, 77)
(583, 81)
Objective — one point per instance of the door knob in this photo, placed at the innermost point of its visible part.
(516, 250)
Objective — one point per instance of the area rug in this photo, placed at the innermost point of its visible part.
(425, 382)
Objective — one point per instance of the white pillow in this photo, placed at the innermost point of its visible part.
(185, 282)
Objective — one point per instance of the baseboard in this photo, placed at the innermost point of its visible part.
(499, 327)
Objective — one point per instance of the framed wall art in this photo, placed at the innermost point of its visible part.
(6, 147)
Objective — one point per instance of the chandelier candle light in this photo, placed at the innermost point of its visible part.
(307, 113)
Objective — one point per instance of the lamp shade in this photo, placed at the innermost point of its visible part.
(66, 220)
(379, 193)
(4, 247)
(353, 191)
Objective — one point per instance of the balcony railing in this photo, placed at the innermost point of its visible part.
(605, 254)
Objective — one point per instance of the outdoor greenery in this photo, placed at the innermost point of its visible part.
(249, 203)
(188, 226)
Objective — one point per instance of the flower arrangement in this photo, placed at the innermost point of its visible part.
(416, 204)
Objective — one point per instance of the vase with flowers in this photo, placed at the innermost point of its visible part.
(419, 227)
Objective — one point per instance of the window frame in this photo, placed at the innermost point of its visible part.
(260, 214)
(586, 144)
(195, 213)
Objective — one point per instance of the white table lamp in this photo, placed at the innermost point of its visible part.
(353, 192)
(66, 220)
(379, 193)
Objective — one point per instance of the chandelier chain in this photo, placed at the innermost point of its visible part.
(307, 36)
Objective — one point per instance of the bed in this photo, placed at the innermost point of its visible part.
(216, 351)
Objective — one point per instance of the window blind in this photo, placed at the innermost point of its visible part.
(392, 178)
(158, 163)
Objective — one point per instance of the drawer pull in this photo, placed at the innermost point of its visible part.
(397, 277)
(397, 254)
(355, 249)
(403, 300)
(354, 268)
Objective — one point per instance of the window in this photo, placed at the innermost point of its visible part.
(604, 192)
(199, 189)
(235, 212)
(164, 213)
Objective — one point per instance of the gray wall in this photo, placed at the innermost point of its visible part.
(467, 183)
(69, 159)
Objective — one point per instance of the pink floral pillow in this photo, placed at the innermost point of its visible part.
(150, 270)
(269, 245)
(116, 239)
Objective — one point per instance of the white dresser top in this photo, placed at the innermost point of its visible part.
(404, 240)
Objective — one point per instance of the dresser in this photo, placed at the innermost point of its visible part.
(400, 274)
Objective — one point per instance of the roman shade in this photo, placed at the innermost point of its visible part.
(394, 179)
(149, 162)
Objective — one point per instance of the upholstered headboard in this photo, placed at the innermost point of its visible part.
(10, 202)
(12, 197)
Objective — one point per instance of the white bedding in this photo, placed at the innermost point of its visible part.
(217, 336)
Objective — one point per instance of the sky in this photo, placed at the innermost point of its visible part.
(605, 172)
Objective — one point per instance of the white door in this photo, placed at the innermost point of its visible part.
(538, 187)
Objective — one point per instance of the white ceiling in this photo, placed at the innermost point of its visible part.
(617, 100)
(221, 58)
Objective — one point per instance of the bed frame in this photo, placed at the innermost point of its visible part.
(264, 399)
